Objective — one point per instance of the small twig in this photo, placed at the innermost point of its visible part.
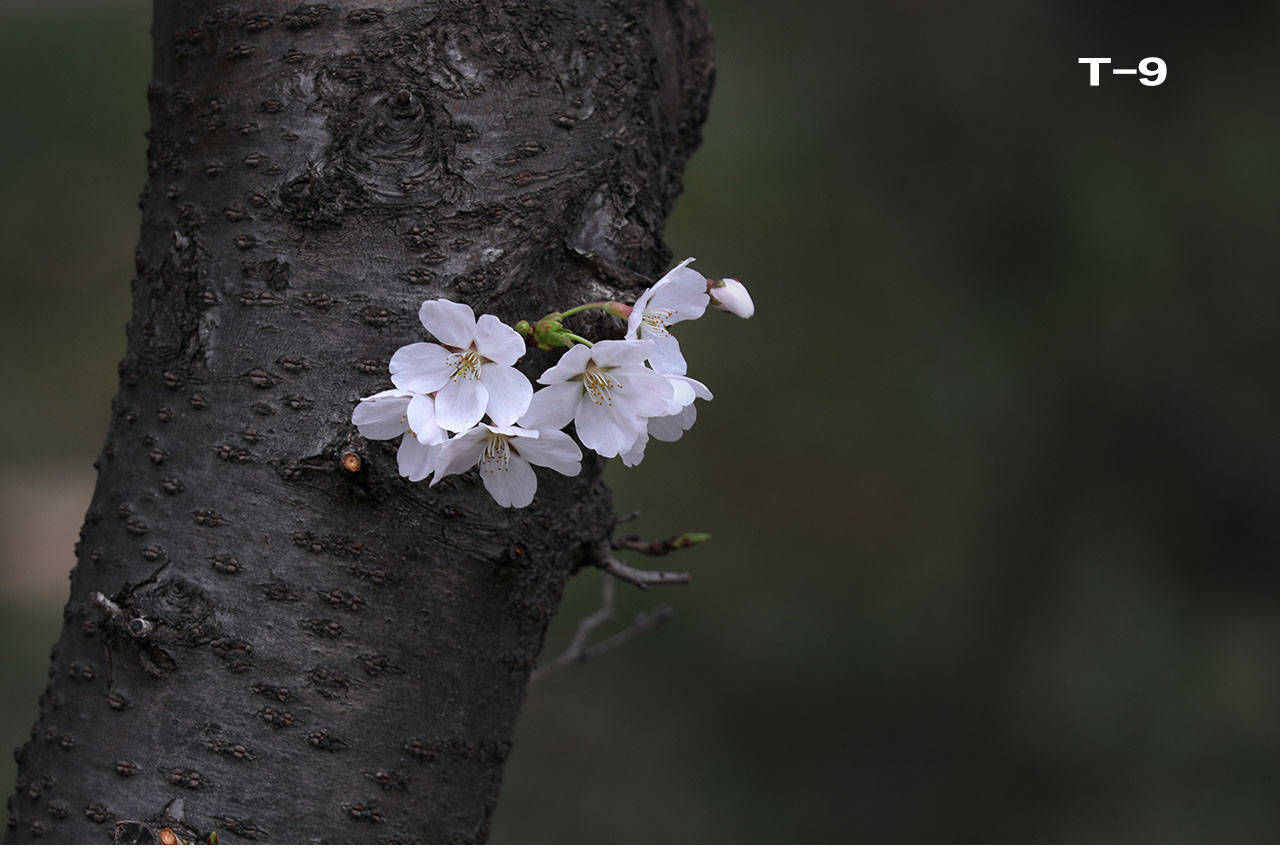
(108, 607)
(629, 517)
(642, 622)
(577, 647)
(578, 651)
(659, 547)
(611, 564)
(595, 620)
(114, 615)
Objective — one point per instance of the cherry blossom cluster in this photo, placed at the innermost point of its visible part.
(460, 403)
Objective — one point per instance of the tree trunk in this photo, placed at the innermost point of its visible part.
(303, 652)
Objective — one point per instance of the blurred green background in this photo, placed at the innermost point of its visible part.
(994, 474)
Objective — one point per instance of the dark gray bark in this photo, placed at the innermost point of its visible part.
(330, 655)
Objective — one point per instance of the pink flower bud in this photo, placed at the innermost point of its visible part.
(618, 309)
(730, 295)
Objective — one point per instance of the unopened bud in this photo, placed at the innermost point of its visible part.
(688, 540)
(730, 295)
(550, 333)
(618, 309)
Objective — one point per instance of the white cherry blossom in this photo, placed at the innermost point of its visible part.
(382, 415)
(505, 455)
(679, 295)
(671, 426)
(634, 455)
(389, 414)
(416, 460)
(731, 295)
(606, 391)
(469, 371)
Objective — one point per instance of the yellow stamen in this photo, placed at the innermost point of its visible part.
(599, 386)
(466, 365)
(496, 456)
(658, 320)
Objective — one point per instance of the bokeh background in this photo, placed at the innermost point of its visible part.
(993, 475)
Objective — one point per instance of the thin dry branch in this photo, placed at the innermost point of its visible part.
(629, 517)
(578, 651)
(659, 547)
(611, 564)
(642, 623)
(577, 647)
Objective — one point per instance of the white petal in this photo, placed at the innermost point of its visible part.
(497, 341)
(451, 323)
(620, 353)
(460, 453)
(381, 417)
(512, 486)
(732, 296)
(637, 315)
(606, 429)
(676, 272)
(635, 454)
(554, 406)
(551, 449)
(511, 431)
(416, 460)
(684, 393)
(460, 404)
(421, 368)
(684, 295)
(422, 420)
(641, 393)
(666, 357)
(671, 427)
(509, 393)
(571, 364)
(702, 391)
(384, 395)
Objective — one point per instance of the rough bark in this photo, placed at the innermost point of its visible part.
(327, 655)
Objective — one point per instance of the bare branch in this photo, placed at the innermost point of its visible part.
(642, 622)
(611, 564)
(578, 651)
(575, 653)
(629, 517)
(595, 620)
(659, 547)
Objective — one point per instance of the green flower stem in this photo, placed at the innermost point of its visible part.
(549, 332)
(617, 309)
(579, 308)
